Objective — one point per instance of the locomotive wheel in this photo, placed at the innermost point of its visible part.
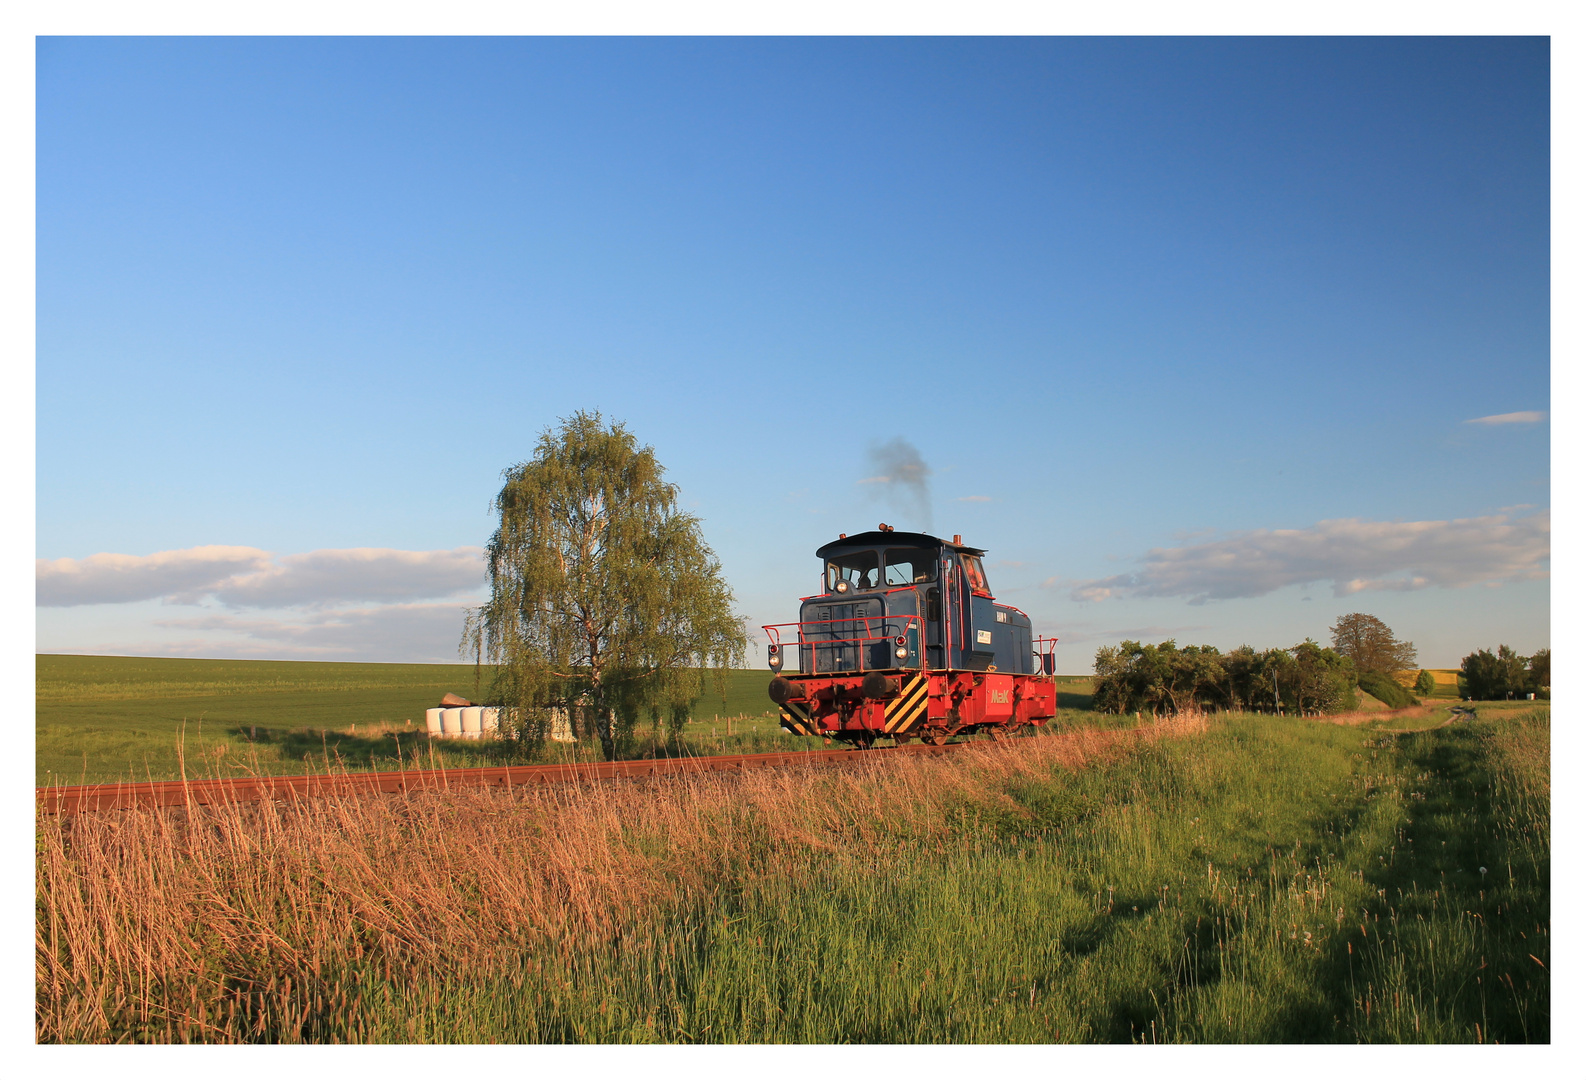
(935, 740)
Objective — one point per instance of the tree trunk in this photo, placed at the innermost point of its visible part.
(605, 727)
(608, 733)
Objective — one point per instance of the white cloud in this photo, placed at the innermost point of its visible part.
(410, 633)
(318, 578)
(1356, 556)
(249, 577)
(119, 579)
(1510, 418)
(974, 498)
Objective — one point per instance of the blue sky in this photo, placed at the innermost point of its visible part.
(1206, 339)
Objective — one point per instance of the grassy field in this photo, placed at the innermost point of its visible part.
(104, 718)
(1223, 879)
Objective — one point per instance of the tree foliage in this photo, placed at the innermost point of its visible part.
(1162, 678)
(1425, 683)
(603, 594)
(1490, 677)
(1367, 641)
(1539, 678)
(1306, 679)
(1325, 679)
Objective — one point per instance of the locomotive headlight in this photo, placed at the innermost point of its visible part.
(842, 586)
(902, 643)
(903, 652)
(774, 658)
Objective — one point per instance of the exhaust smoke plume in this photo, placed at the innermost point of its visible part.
(901, 480)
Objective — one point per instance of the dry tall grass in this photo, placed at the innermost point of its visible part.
(239, 922)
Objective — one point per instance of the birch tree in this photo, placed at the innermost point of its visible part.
(604, 596)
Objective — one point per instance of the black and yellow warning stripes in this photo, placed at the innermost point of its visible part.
(796, 718)
(898, 715)
(908, 708)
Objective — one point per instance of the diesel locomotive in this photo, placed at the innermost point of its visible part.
(905, 641)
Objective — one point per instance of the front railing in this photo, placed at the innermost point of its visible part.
(1044, 649)
(855, 643)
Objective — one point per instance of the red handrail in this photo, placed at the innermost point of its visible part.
(773, 632)
(1050, 650)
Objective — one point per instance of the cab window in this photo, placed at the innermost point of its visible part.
(907, 566)
(861, 570)
(976, 575)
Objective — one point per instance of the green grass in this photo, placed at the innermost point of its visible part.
(1275, 882)
(1074, 692)
(102, 718)
(1272, 880)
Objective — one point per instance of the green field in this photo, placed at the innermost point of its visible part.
(106, 718)
(1237, 879)
(103, 718)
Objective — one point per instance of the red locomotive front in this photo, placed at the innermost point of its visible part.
(906, 641)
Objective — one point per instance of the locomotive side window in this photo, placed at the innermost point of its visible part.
(976, 575)
(906, 566)
(860, 570)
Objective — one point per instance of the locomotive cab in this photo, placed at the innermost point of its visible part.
(900, 616)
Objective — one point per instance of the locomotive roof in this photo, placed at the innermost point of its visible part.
(875, 538)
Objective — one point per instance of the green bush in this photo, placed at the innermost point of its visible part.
(1384, 689)
(1424, 683)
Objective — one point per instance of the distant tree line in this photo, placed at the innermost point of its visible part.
(1307, 679)
(1492, 677)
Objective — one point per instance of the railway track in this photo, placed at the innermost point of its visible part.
(86, 797)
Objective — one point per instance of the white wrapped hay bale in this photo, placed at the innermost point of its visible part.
(561, 727)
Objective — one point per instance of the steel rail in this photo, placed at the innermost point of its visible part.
(121, 796)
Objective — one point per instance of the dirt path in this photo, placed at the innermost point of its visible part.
(1455, 712)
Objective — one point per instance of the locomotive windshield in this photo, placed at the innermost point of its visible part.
(906, 566)
(860, 569)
